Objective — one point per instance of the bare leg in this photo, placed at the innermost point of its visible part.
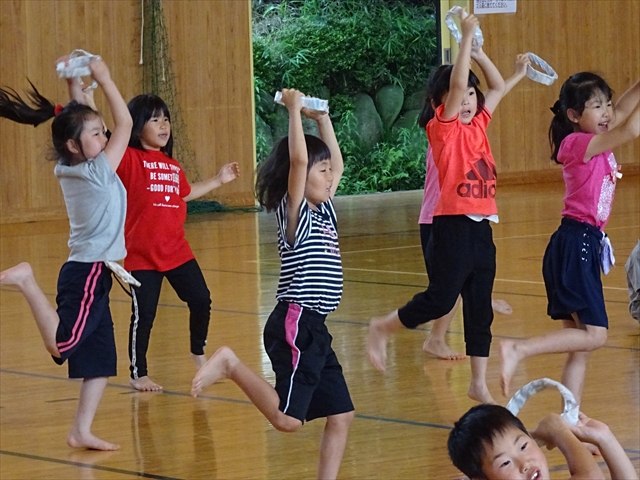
(225, 364)
(574, 372)
(145, 384)
(199, 360)
(478, 390)
(501, 306)
(380, 331)
(47, 320)
(584, 338)
(80, 435)
(436, 344)
(334, 441)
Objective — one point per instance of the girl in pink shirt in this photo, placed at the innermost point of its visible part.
(585, 128)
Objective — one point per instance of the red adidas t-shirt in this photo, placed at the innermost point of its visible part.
(466, 168)
(154, 226)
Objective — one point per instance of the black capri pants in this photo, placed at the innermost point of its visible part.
(462, 262)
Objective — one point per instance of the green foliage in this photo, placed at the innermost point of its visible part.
(344, 47)
(347, 46)
(396, 163)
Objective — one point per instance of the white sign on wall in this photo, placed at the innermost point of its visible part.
(482, 7)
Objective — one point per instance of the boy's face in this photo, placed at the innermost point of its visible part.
(514, 456)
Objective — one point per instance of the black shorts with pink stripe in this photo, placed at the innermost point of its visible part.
(309, 378)
(85, 335)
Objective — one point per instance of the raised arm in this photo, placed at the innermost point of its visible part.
(227, 173)
(460, 72)
(522, 62)
(599, 434)
(626, 104)
(615, 137)
(328, 136)
(121, 117)
(555, 432)
(495, 82)
(298, 161)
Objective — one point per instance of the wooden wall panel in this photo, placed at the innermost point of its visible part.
(210, 45)
(211, 54)
(587, 35)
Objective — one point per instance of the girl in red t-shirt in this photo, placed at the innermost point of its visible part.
(463, 259)
(437, 89)
(157, 192)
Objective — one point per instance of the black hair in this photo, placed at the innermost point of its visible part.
(67, 124)
(575, 92)
(474, 431)
(438, 86)
(272, 180)
(142, 109)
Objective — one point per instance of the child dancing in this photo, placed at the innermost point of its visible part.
(585, 128)
(81, 329)
(463, 261)
(298, 180)
(436, 344)
(157, 192)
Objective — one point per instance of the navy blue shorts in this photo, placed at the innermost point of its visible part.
(571, 271)
(309, 378)
(85, 335)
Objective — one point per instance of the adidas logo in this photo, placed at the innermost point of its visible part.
(481, 172)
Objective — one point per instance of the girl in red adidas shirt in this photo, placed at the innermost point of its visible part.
(157, 192)
(464, 256)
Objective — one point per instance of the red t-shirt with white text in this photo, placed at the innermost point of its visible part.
(154, 226)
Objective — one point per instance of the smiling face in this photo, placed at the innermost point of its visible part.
(156, 132)
(317, 190)
(514, 456)
(596, 116)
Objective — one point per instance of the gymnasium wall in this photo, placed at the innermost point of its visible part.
(602, 36)
(211, 55)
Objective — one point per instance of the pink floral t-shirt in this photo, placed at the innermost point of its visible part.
(589, 185)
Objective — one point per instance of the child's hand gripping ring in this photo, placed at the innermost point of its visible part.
(478, 40)
(78, 66)
(571, 407)
(547, 78)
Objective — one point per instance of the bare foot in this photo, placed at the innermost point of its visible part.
(217, 368)
(440, 349)
(501, 306)
(17, 275)
(145, 384)
(377, 343)
(510, 359)
(480, 393)
(76, 439)
(199, 360)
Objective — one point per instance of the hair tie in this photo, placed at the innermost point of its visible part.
(556, 108)
(57, 109)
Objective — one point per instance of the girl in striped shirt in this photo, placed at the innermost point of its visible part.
(298, 181)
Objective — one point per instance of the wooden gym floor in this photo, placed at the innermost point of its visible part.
(403, 418)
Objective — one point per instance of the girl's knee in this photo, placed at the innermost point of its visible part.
(285, 423)
(342, 420)
(599, 336)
